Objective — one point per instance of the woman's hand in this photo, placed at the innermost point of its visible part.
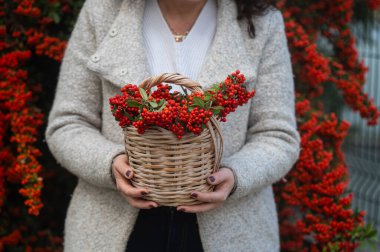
(224, 181)
(123, 173)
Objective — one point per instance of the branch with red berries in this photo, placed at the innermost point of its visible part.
(179, 112)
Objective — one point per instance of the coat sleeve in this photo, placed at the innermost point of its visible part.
(272, 142)
(73, 133)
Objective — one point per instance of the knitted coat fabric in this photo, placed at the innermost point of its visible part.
(105, 51)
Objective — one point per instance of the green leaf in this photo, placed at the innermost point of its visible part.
(198, 101)
(162, 106)
(207, 96)
(128, 116)
(215, 88)
(143, 93)
(208, 104)
(133, 104)
(218, 107)
(55, 17)
(55, 5)
(216, 111)
(153, 104)
(161, 102)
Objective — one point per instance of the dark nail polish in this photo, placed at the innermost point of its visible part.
(211, 178)
(194, 195)
(181, 210)
(143, 193)
(128, 173)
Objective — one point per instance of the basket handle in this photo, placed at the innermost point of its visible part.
(174, 78)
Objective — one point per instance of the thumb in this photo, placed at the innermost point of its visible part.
(219, 176)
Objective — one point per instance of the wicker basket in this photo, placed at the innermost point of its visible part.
(171, 168)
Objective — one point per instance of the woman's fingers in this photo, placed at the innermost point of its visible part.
(223, 181)
(219, 195)
(134, 194)
(141, 203)
(121, 166)
(204, 207)
(220, 176)
(123, 173)
(127, 189)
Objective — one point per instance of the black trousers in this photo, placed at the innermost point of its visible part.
(164, 229)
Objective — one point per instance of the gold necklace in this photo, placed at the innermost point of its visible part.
(178, 37)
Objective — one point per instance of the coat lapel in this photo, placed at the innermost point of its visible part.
(120, 58)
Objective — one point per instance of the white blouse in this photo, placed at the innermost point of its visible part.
(166, 55)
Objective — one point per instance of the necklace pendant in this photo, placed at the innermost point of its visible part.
(179, 38)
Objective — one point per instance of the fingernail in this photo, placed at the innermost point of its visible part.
(194, 195)
(211, 178)
(181, 210)
(144, 193)
(152, 206)
(128, 173)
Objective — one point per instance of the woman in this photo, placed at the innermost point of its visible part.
(113, 43)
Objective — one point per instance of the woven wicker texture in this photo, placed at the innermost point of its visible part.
(171, 168)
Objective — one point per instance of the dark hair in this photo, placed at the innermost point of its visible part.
(250, 8)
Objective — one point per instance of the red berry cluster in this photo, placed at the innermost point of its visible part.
(236, 94)
(177, 112)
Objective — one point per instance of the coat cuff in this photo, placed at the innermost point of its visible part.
(235, 179)
(120, 152)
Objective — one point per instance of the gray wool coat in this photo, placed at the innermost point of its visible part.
(104, 52)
